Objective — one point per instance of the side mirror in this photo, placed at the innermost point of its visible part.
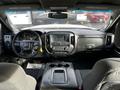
(58, 15)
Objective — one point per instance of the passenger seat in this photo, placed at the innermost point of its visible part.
(105, 75)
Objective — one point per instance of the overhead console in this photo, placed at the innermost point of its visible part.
(60, 43)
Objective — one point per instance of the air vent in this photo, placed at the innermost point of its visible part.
(109, 39)
(73, 40)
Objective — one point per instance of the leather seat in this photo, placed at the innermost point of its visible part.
(13, 77)
(105, 75)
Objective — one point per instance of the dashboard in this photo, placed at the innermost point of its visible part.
(56, 42)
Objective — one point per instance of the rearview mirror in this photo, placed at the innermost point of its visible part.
(58, 15)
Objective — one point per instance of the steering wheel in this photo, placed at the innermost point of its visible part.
(27, 44)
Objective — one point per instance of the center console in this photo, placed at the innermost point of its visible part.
(59, 76)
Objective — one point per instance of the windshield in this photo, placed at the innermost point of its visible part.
(98, 19)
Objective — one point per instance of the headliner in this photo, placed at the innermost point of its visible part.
(59, 3)
(4, 2)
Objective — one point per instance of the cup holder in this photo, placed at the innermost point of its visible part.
(59, 65)
(66, 65)
(52, 65)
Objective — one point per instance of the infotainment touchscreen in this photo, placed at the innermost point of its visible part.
(59, 38)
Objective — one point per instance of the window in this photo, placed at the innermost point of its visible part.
(97, 19)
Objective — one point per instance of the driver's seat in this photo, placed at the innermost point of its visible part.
(13, 77)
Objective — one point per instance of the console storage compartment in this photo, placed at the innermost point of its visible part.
(59, 76)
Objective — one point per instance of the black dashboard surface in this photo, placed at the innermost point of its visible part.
(65, 40)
